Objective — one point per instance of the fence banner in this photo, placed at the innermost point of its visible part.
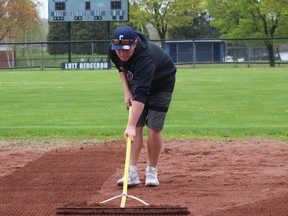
(85, 65)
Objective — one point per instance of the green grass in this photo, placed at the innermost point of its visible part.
(57, 105)
(230, 103)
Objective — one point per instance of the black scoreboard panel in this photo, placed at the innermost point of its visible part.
(87, 10)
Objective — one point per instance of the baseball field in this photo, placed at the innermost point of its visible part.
(225, 150)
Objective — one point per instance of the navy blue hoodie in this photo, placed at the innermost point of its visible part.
(149, 70)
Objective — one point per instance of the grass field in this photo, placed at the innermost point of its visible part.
(57, 105)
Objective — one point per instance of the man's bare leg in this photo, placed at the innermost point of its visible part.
(136, 146)
(154, 146)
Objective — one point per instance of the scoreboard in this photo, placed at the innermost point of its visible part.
(87, 10)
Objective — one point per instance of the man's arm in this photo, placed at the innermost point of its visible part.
(128, 98)
(137, 108)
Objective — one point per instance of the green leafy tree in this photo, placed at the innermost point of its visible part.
(163, 14)
(199, 28)
(57, 32)
(80, 31)
(90, 31)
(250, 18)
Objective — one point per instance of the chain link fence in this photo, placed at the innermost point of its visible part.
(256, 50)
(94, 54)
(53, 54)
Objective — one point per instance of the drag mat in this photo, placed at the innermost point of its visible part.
(116, 210)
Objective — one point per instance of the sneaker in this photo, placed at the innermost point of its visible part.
(151, 176)
(133, 178)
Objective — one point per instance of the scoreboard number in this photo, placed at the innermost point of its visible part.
(87, 10)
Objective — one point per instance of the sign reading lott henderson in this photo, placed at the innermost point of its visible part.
(85, 65)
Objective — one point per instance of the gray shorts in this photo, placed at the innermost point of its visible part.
(155, 111)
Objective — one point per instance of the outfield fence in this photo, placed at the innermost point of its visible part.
(70, 55)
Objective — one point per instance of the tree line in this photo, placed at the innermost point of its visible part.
(171, 20)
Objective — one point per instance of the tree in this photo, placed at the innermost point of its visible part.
(90, 31)
(58, 31)
(17, 21)
(200, 28)
(250, 18)
(17, 16)
(163, 14)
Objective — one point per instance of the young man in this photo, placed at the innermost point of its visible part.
(148, 76)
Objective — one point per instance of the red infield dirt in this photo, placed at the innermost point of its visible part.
(210, 177)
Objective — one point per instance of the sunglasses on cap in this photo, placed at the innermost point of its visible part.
(123, 41)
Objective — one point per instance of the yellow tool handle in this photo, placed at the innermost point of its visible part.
(126, 170)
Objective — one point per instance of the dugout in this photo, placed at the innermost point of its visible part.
(192, 51)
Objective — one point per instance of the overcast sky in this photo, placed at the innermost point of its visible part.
(43, 8)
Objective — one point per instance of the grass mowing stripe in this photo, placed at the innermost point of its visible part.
(89, 105)
(60, 127)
